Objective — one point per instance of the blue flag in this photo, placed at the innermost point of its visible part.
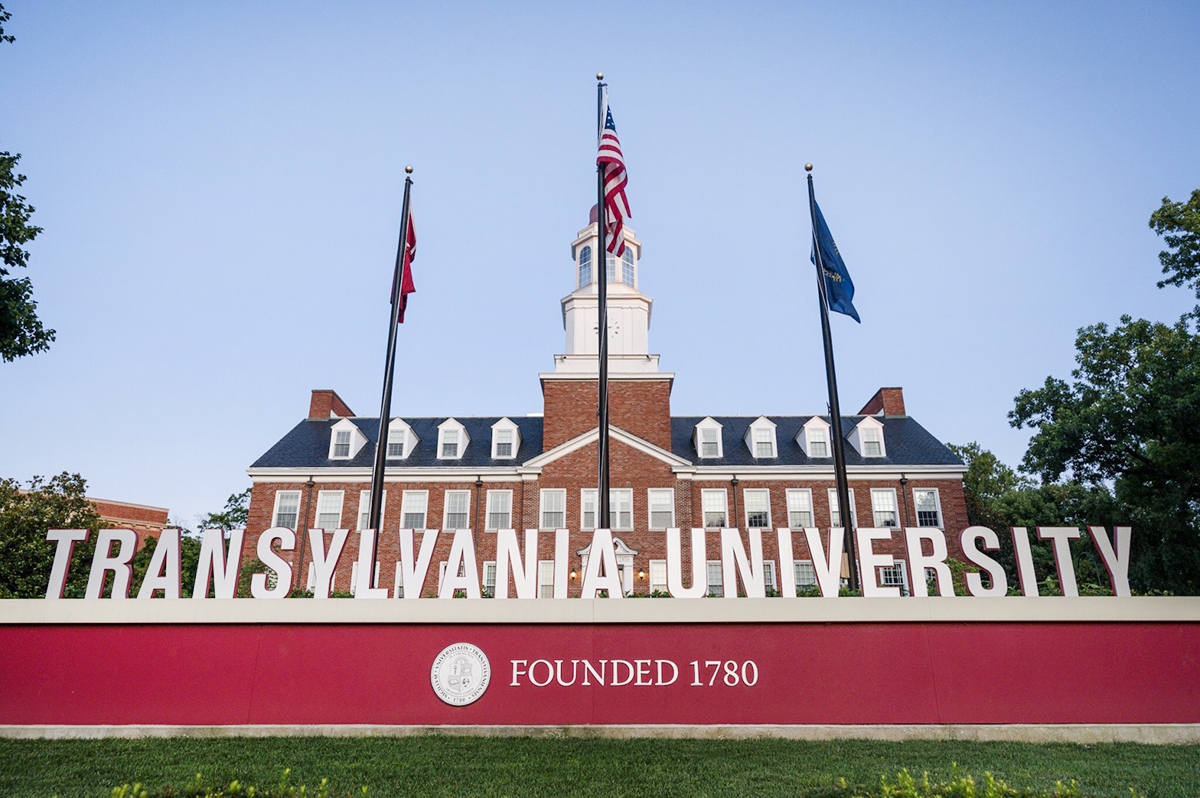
(838, 286)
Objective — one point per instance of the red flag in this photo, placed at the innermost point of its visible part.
(612, 162)
(410, 254)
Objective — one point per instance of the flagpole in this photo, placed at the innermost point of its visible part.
(602, 326)
(385, 410)
(839, 451)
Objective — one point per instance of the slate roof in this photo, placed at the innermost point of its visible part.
(307, 444)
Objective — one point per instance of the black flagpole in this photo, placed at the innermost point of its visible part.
(385, 411)
(839, 451)
(602, 327)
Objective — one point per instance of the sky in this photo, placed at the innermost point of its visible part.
(219, 186)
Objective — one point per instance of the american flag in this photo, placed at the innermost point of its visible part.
(410, 254)
(616, 205)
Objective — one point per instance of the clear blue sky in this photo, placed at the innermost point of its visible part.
(220, 187)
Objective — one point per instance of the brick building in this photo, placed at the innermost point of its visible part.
(539, 471)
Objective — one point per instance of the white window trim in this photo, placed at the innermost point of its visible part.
(650, 509)
(410, 438)
(832, 494)
(895, 507)
(487, 521)
(354, 576)
(405, 508)
(662, 564)
(746, 507)
(507, 425)
(341, 494)
(614, 516)
(803, 439)
(725, 502)
(764, 424)
(788, 507)
(464, 439)
(770, 580)
(937, 500)
(488, 591)
(809, 563)
(902, 567)
(545, 567)
(357, 439)
(856, 438)
(709, 423)
(542, 506)
(708, 583)
(364, 506)
(275, 510)
(446, 510)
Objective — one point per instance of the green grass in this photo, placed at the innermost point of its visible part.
(431, 766)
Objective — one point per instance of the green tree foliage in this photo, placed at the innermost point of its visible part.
(21, 332)
(1179, 225)
(233, 516)
(189, 560)
(25, 515)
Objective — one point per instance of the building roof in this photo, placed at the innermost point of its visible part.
(307, 444)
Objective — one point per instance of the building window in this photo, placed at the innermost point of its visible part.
(764, 443)
(364, 508)
(457, 513)
(620, 508)
(398, 587)
(769, 577)
(504, 443)
(395, 447)
(883, 506)
(499, 509)
(835, 516)
(662, 508)
(806, 575)
(758, 508)
(341, 443)
(872, 443)
(545, 578)
(554, 509)
(713, 503)
(658, 576)
(627, 268)
(449, 444)
(929, 510)
(610, 270)
(894, 576)
(329, 509)
(714, 578)
(710, 442)
(489, 579)
(287, 508)
(413, 509)
(354, 576)
(818, 442)
(799, 506)
(585, 267)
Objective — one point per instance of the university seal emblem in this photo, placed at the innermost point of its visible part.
(460, 674)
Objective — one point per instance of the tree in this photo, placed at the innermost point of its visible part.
(1130, 418)
(21, 332)
(26, 555)
(986, 482)
(234, 516)
(1179, 225)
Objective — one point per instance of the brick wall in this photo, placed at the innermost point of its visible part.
(641, 407)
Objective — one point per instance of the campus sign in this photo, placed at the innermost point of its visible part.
(517, 561)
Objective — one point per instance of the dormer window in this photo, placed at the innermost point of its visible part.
(506, 439)
(452, 440)
(707, 439)
(760, 438)
(345, 440)
(814, 437)
(585, 267)
(396, 443)
(867, 438)
(401, 439)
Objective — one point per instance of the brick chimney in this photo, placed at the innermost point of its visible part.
(889, 400)
(327, 404)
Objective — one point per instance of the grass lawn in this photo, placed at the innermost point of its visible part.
(431, 766)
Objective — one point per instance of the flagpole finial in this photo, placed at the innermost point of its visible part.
(408, 169)
(808, 167)
(599, 76)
